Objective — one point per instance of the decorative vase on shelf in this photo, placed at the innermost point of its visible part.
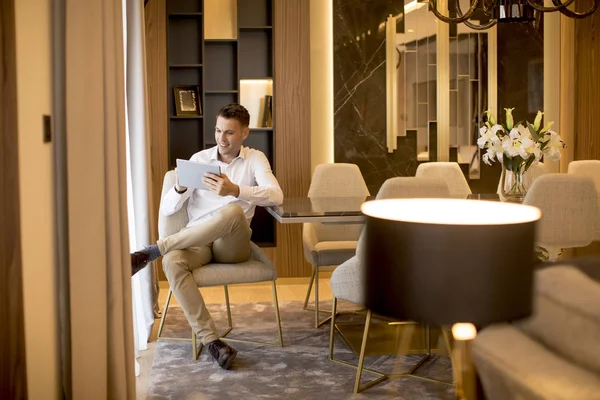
(513, 185)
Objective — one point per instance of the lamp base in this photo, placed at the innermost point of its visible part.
(463, 370)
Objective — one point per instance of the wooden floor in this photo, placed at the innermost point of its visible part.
(288, 289)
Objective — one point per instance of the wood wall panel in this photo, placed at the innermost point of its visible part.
(587, 103)
(156, 72)
(587, 96)
(292, 124)
(13, 373)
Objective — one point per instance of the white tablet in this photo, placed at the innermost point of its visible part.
(191, 173)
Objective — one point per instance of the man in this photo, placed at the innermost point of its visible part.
(219, 221)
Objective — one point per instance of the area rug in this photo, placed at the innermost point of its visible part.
(299, 370)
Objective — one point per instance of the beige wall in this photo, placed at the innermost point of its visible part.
(33, 45)
(321, 82)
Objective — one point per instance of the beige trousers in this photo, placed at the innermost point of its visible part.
(225, 238)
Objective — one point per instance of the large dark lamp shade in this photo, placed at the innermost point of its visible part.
(444, 261)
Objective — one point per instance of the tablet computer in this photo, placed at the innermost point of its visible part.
(190, 173)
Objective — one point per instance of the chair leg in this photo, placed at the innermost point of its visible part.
(164, 313)
(309, 289)
(316, 297)
(361, 358)
(228, 306)
(332, 329)
(276, 306)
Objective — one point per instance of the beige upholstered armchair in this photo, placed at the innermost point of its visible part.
(331, 245)
(257, 269)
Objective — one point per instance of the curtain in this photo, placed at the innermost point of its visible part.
(101, 328)
(144, 283)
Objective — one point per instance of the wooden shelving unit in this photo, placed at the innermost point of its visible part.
(226, 70)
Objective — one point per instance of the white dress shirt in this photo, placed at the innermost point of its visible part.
(250, 170)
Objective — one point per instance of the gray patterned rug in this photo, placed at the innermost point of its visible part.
(299, 370)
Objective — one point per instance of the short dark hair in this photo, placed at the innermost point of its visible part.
(237, 112)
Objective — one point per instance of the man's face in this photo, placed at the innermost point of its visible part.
(229, 135)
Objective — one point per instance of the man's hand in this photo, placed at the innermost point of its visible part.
(220, 185)
(178, 187)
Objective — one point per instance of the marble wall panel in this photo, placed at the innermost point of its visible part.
(359, 92)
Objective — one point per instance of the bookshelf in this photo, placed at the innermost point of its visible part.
(225, 48)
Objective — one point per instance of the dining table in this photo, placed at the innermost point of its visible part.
(387, 336)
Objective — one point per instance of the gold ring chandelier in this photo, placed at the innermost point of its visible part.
(507, 11)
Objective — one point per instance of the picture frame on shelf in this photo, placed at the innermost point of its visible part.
(187, 100)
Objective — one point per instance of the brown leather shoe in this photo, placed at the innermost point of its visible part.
(139, 260)
(222, 352)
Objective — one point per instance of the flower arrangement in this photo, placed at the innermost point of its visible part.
(520, 145)
(517, 147)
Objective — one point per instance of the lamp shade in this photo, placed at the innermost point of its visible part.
(444, 261)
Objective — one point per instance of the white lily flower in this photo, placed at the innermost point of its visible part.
(486, 157)
(514, 134)
(552, 150)
(524, 132)
(526, 149)
(487, 135)
(512, 147)
(497, 149)
(537, 153)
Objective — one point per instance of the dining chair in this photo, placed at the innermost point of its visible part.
(450, 172)
(328, 245)
(347, 282)
(590, 168)
(569, 206)
(257, 269)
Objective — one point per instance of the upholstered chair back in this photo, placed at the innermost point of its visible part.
(590, 168)
(413, 187)
(569, 206)
(450, 171)
(336, 180)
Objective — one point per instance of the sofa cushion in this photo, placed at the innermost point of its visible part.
(566, 315)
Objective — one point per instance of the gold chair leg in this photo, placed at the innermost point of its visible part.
(229, 320)
(164, 313)
(228, 306)
(361, 357)
(314, 280)
(309, 289)
(316, 297)
(332, 328)
(276, 305)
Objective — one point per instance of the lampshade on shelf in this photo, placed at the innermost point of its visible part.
(446, 261)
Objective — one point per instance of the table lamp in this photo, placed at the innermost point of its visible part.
(450, 262)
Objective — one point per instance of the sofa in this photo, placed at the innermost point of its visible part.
(555, 353)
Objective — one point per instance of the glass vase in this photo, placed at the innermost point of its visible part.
(513, 184)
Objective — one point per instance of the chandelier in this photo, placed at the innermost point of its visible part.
(508, 11)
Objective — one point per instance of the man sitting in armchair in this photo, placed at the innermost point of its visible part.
(219, 221)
